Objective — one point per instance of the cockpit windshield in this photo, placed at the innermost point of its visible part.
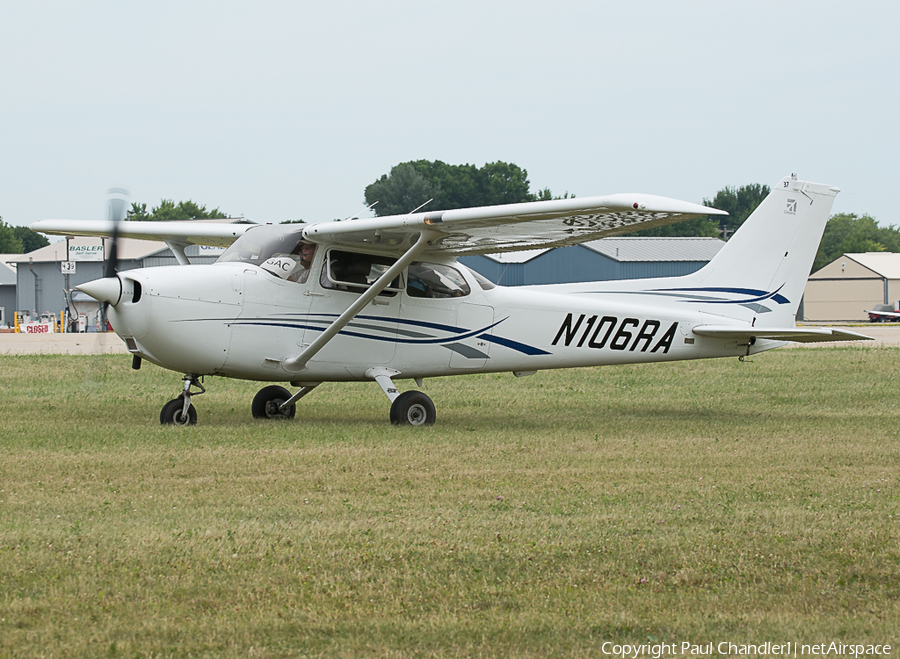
(262, 243)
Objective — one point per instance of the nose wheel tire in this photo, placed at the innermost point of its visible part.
(173, 414)
(265, 404)
(412, 408)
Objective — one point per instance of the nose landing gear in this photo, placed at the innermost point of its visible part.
(179, 411)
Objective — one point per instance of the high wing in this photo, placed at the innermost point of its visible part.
(511, 227)
(797, 334)
(481, 230)
(196, 232)
(888, 314)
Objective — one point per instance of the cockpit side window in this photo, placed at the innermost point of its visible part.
(350, 271)
(485, 283)
(434, 280)
(282, 253)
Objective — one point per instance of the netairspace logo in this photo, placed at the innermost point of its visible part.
(728, 649)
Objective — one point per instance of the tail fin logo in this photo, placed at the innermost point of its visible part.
(791, 207)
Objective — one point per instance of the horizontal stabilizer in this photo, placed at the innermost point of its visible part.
(798, 334)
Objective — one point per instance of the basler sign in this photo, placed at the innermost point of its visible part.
(85, 252)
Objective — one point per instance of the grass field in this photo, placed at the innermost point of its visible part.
(703, 502)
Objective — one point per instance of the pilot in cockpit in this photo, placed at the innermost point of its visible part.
(306, 252)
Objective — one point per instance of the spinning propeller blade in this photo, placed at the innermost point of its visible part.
(117, 209)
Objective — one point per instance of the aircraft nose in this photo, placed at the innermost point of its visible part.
(108, 289)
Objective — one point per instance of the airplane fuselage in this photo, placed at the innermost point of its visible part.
(239, 320)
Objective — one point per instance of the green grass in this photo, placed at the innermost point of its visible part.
(703, 502)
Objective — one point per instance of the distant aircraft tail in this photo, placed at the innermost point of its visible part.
(761, 273)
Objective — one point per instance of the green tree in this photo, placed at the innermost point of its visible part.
(739, 203)
(849, 233)
(545, 195)
(453, 186)
(9, 243)
(411, 184)
(19, 240)
(138, 213)
(169, 211)
(401, 191)
(31, 240)
(697, 227)
(503, 183)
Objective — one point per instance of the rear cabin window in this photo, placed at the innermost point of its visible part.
(349, 271)
(433, 280)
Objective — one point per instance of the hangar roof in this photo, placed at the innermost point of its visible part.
(7, 260)
(657, 249)
(635, 249)
(129, 249)
(886, 264)
(516, 257)
(7, 273)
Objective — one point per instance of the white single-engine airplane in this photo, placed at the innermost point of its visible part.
(384, 298)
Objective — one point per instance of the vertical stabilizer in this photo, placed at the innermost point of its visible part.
(768, 259)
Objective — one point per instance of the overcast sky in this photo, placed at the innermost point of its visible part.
(287, 110)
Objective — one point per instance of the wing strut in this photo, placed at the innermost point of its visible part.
(177, 249)
(298, 363)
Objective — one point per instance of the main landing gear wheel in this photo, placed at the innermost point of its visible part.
(266, 403)
(173, 414)
(412, 408)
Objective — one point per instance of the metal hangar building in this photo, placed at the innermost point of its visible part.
(848, 286)
(598, 260)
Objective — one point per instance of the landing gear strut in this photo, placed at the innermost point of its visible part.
(179, 411)
(411, 408)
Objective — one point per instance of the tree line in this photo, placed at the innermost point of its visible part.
(439, 186)
(168, 211)
(19, 240)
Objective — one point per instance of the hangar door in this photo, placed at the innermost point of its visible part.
(830, 299)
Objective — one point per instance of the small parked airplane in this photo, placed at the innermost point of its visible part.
(883, 313)
(384, 298)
